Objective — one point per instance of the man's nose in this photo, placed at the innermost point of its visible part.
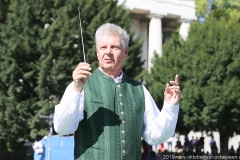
(108, 50)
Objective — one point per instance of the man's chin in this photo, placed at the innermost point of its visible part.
(108, 67)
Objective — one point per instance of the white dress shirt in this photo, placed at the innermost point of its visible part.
(157, 127)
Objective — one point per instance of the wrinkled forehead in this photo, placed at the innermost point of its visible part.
(109, 38)
(109, 35)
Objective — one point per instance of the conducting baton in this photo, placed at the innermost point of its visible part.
(81, 34)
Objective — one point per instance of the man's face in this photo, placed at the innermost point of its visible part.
(111, 54)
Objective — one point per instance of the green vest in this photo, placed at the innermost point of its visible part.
(113, 120)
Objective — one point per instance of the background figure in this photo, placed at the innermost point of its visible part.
(155, 148)
(151, 153)
(178, 145)
(201, 144)
(231, 151)
(161, 147)
(192, 143)
(213, 146)
(159, 155)
(186, 143)
(145, 148)
(169, 142)
(196, 145)
(238, 151)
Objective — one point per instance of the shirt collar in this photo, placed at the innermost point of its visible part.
(117, 79)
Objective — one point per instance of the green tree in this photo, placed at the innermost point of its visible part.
(19, 36)
(207, 64)
(164, 69)
(40, 45)
(227, 9)
(3, 10)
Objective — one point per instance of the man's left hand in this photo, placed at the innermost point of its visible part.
(172, 93)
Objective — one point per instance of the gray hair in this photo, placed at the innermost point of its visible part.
(108, 29)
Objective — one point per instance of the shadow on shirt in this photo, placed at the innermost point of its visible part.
(91, 128)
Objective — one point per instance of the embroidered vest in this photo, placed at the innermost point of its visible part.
(113, 120)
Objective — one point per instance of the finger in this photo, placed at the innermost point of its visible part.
(167, 88)
(176, 93)
(177, 79)
(83, 67)
(81, 77)
(83, 64)
(81, 74)
(174, 83)
(80, 71)
(174, 87)
(173, 93)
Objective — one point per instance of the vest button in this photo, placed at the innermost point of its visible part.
(121, 112)
(124, 151)
(122, 131)
(121, 103)
(118, 86)
(120, 94)
(123, 122)
(123, 141)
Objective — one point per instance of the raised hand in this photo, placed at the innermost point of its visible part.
(80, 75)
(172, 93)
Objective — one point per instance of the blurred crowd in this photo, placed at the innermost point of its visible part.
(192, 147)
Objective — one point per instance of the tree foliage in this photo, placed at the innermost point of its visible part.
(207, 64)
(219, 9)
(40, 45)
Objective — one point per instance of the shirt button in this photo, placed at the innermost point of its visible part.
(120, 94)
(123, 141)
(121, 112)
(124, 151)
(122, 131)
(123, 122)
(121, 103)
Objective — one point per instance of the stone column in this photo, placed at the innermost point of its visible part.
(155, 38)
(144, 56)
(140, 29)
(184, 28)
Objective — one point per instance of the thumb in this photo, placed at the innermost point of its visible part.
(167, 88)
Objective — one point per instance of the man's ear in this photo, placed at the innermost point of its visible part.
(97, 53)
(126, 51)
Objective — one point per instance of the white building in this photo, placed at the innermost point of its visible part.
(155, 20)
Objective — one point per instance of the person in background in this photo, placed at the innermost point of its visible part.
(213, 146)
(201, 144)
(169, 142)
(109, 112)
(231, 151)
(178, 145)
(238, 151)
(186, 143)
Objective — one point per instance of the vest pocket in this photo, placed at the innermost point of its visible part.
(96, 102)
(95, 147)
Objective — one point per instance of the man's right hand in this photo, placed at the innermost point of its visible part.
(80, 75)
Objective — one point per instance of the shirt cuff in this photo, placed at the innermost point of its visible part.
(73, 92)
(171, 107)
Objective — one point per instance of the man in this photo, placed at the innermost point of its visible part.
(213, 146)
(109, 112)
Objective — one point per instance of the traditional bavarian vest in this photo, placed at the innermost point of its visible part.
(113, 120)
